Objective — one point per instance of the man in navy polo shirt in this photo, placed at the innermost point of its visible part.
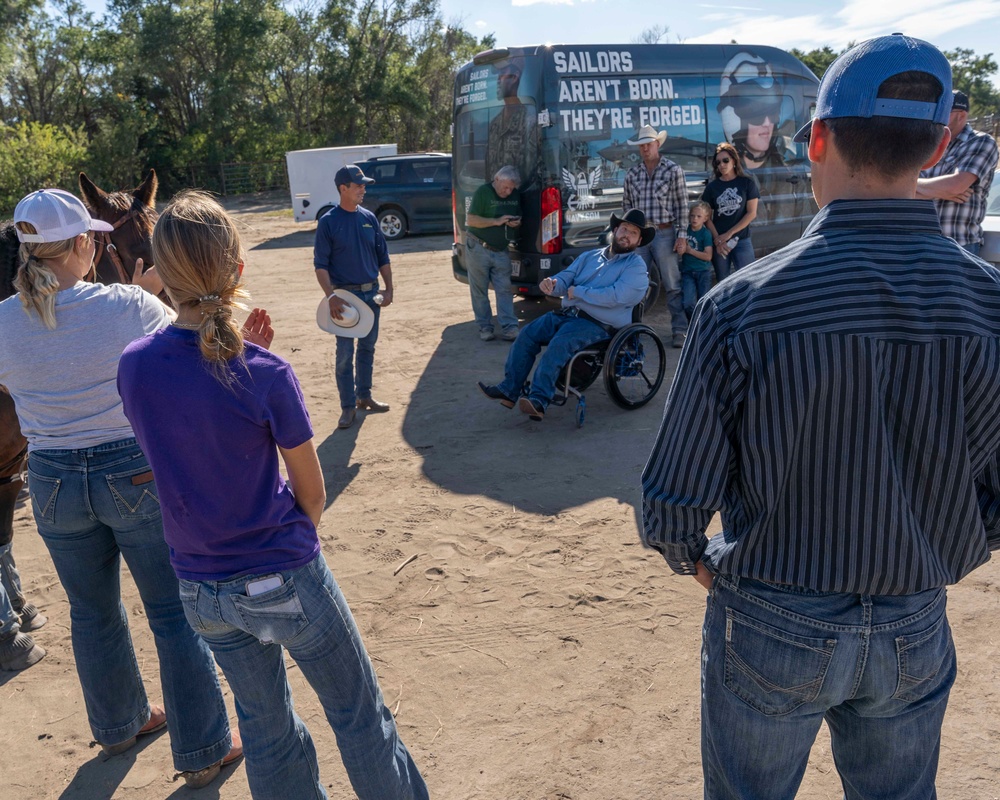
(350, 253)
(836, 403)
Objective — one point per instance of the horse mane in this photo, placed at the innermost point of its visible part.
(9, 246)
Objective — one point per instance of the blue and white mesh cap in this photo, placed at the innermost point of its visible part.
(56, 216)
(850, 86)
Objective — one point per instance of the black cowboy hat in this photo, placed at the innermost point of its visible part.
(635, 217)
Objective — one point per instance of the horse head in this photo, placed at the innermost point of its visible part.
(133, 214)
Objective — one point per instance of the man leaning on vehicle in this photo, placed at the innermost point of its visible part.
(837, 403)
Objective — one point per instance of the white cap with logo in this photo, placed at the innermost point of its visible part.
(56, 216)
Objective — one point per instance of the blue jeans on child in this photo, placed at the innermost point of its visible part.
(351, 383)
(306, 614)
(694, 286)
(738, 257)
(562, 336)
(93, 507)
(485, 267)
(779, 660)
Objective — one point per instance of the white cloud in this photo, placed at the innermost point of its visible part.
(856, 21)
(521, 3)
(480, 24)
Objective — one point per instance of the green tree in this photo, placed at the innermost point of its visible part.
(33, 155)
(818, 60)
(973, 74)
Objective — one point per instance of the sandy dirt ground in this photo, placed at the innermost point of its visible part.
(532, 649)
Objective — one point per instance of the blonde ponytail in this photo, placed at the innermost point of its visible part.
(198, 254)
(35, 281)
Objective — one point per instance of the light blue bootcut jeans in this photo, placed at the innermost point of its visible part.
(561, 336)
(93, 507)
(308, 616)
(486, 267)
(659, 255)
(354, 383)
(777, 661)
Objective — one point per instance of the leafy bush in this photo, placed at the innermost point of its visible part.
(36, 156)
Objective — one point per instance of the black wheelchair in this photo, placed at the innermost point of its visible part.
(632, 362)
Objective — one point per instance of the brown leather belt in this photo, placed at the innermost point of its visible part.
(357, 287)
(664, 225)
(487, 246)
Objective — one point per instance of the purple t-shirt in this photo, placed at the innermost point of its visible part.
(226, 509)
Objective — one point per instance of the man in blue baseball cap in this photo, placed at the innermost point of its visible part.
(351, 253)
(836, 404)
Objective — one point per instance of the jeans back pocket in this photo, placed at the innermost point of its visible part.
(134, 493)
(922, 660)
(274, 616)
(771, 670)
(43, 492)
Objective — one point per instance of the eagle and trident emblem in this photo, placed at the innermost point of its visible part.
(581, 185)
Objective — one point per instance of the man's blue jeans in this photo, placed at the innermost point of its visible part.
(738, 257)
(564, 336)
(973, 247)
(308, 615)
(694, 286)
(777, 661)
(351, 383)
(659, 255)
(93, 507)
(486, 267)
(11, 597)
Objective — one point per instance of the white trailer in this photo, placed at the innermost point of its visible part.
(311, 172)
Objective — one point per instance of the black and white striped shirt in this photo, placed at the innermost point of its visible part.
(839, 403)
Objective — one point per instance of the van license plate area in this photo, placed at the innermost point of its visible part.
(515, 268)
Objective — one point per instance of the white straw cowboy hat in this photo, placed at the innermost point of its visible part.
(647, 133)
(356, 320)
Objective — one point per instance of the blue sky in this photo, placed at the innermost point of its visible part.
(782, 23)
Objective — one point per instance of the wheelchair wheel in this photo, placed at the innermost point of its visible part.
(634, 366)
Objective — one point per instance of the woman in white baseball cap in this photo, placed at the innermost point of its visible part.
(92, 491)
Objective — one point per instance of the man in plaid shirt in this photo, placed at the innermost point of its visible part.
(960, 182)
(658, 189)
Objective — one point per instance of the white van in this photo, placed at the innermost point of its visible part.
(311, 173)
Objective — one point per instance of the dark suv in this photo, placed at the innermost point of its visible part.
(411, 193)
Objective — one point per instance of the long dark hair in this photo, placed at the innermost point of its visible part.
(727, 148)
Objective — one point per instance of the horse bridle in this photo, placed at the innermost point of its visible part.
(102, 242)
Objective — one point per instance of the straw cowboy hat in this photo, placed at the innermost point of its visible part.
(647, 133)
(356, 320)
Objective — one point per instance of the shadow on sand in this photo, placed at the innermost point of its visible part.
(472, 445)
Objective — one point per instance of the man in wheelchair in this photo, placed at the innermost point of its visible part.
(598, 291)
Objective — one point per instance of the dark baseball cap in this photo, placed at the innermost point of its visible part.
(351, 174)
(959, 101)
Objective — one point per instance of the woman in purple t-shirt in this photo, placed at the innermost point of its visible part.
(214, 413)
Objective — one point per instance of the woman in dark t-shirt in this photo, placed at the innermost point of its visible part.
(733, 196)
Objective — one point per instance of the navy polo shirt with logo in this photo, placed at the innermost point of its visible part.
(350, 246)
